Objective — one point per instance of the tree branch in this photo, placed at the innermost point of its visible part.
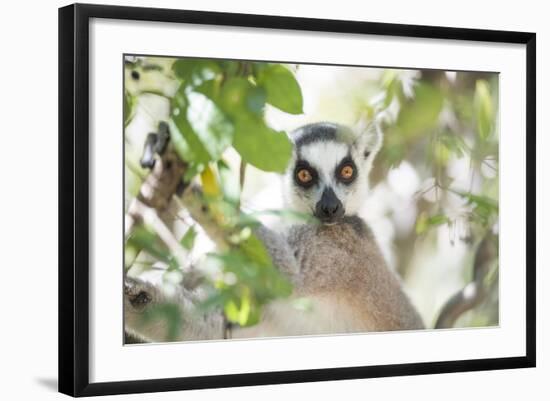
(191, 200)
(474, 292)
(157, 190)
(157, 193)
(149, 216)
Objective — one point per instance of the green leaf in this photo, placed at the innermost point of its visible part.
(420, 114)
(425, 222)
(233, 96)
(244, 310)
(216, 300)
(129, 107)
(484, 207)
(390, 82)
(131, 252)
(258, 67)
(438, 220)
(283, 91)
(210, 124)
(181, 144)
(142, 238)
(255, 250)
(203, 130)
(243, 103)
(238, 97)
(481, 200)
(265, 281)
(256, 99)
(394, 151)
(441, 153)
(484, 109)
(231, 311)
(230, 68)
(186, 142)
(454, 143)
(262, 146)
(209, 88)
(229, 182)
(195, 71)
(421, 224)
(188, 239)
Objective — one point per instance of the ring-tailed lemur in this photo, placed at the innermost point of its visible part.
(337, 264)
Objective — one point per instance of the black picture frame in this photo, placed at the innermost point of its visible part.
(74, 194)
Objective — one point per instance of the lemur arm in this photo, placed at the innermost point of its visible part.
(279, 249)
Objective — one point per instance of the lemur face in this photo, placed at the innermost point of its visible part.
(328, 174)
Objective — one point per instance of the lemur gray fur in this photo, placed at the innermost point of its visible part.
(337, 264)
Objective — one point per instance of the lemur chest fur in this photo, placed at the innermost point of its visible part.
(341, 258)
(347, 282)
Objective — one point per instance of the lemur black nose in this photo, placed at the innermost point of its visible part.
(329, 208)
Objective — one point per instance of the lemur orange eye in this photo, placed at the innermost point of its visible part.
(346, 172)
(304, 176)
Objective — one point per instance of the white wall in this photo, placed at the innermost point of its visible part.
(28, 198)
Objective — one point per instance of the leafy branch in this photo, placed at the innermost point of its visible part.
(214, 105)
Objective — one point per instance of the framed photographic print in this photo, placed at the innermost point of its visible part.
(250, 199)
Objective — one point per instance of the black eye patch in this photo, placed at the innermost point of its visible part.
(301, 167)
(346, 171)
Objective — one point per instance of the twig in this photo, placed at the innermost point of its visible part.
(242, 173)
(150, 217)
(486, 163)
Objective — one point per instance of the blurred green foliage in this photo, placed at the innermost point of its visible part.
(433, 120)
(441, 118)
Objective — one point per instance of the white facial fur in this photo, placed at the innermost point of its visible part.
(325, 156)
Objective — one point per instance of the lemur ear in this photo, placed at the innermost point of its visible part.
(369, 138)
